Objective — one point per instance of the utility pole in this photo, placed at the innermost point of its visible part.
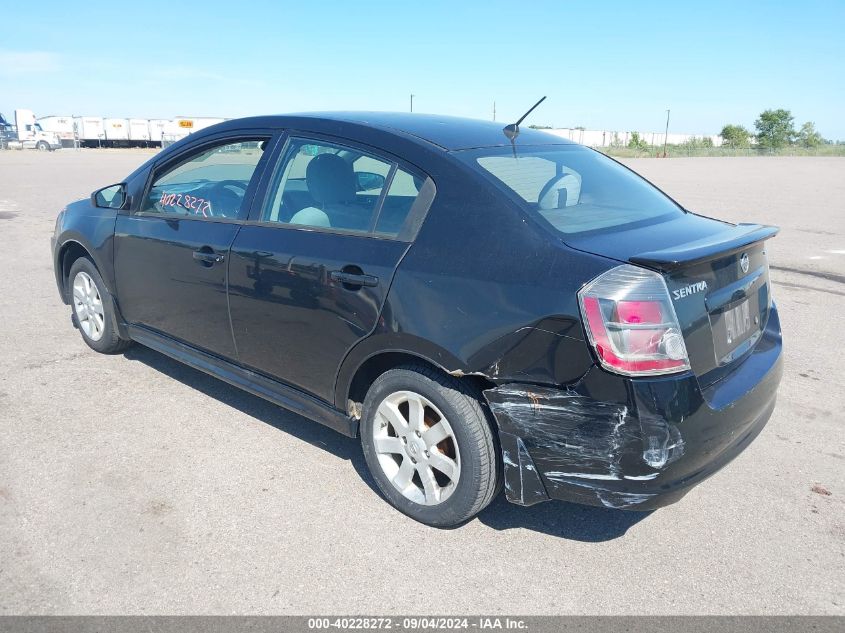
(412, 102)
(494, 110)
(666, 136)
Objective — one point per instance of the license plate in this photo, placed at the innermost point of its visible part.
(734, 326)
(737, 323)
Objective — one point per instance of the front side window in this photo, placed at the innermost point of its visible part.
(573, 188)
(326, 186)
(211, 184)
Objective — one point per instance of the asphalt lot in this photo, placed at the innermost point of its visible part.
(132, 484)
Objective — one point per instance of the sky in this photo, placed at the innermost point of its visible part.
(603, 65)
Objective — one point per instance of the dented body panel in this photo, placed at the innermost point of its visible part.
(632, 443)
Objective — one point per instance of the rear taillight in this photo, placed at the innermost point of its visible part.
(631, 323)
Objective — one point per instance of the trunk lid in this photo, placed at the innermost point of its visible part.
(718, 279)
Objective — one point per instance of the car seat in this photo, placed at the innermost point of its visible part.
(331, 182)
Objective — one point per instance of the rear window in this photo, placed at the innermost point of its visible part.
(573, 188)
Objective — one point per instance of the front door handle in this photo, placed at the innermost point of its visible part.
(209, 257)
(354, 279)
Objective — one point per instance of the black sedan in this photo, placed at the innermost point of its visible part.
(485, 308)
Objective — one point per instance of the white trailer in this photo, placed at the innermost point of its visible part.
(117, 132)
(61, 126)
(139, 132)
(89, 130)
(92, 131)
(187, 125)
(200, 123)
(182, 126)
(173, 130)
(158, 128)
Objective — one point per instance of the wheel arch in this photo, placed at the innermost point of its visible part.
(69, 252)
(71, 249)
(358, 374)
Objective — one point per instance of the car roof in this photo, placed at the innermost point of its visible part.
(447, 132)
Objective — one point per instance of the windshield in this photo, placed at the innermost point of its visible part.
(574, 188)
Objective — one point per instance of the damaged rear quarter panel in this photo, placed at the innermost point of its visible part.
(593, 441)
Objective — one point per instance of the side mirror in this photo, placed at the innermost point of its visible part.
(367, 181)
(111, 197)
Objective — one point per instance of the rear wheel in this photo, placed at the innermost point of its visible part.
(93, 310)
(429, 446)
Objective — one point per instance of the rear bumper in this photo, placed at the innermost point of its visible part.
(638, 443)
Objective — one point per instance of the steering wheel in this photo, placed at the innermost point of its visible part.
(223, 201)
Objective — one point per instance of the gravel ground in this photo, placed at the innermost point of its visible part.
(132, 484)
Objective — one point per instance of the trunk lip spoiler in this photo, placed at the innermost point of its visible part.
(724, 243)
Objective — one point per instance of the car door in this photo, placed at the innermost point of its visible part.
(171, 252)
(310, 271)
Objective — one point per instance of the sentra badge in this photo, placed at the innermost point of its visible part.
(698, 286)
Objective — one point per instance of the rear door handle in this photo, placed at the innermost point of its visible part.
(209, 257)
(354, 279)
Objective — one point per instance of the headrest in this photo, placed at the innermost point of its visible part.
(330, 179)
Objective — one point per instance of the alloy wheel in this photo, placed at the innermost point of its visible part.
(88, 306)
(416, 448)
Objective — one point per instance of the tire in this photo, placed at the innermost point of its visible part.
(469, 445)
(42, 146)
(93, 308)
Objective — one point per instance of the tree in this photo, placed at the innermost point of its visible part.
(637, 142)
(735, 136)
(808, 137)
(774, 128)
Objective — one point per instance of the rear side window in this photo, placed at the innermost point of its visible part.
(401, 197)
(209, 184)
(333, 187)
(573, 188)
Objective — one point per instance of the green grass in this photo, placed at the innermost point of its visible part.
(681, 151)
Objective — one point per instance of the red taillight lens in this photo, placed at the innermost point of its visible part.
(631, 323)
(639, 311)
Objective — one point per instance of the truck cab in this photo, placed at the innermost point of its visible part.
(27, 133)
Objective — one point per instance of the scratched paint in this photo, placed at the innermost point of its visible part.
(522, 482)
(586, 444)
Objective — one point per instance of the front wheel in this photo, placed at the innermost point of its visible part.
(43, 146)
(93, 310)
(429, 446)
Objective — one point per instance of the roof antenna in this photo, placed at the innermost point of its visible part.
(512, 131)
